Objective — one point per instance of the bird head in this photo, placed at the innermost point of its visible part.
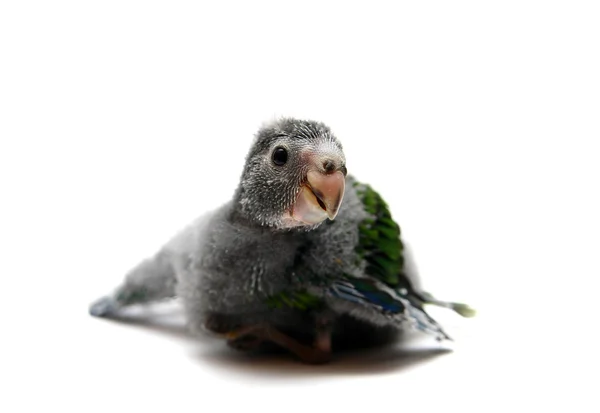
(294, 176)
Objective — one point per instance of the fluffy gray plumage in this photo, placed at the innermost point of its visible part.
(265, 190)
(226, 263)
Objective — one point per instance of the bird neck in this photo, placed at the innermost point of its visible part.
(237, 216)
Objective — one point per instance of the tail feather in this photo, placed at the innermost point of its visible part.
(460, 308)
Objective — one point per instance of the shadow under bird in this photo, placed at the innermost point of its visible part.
(302, 253)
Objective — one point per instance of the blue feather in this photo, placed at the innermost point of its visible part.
(373, 295)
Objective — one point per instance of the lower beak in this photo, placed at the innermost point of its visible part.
(320, 197)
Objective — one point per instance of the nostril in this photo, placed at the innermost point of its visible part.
(329, 166)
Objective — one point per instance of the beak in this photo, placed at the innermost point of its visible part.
(320, 197)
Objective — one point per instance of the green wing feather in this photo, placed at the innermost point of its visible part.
(380, 244)
(300, 300)
(380, 247)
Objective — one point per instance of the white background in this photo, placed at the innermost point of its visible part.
(121, 121)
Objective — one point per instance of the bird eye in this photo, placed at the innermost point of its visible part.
(280, 156)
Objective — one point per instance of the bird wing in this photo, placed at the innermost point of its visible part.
(383, 286)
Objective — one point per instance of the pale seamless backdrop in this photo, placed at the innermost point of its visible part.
(122, 121)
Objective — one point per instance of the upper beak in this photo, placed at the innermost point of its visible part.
(320, 198)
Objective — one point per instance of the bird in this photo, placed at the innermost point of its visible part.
(301, 251)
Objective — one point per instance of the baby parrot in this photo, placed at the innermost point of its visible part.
(302, 248)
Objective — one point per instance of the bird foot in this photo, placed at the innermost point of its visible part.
(246, 343)
(265, 332)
